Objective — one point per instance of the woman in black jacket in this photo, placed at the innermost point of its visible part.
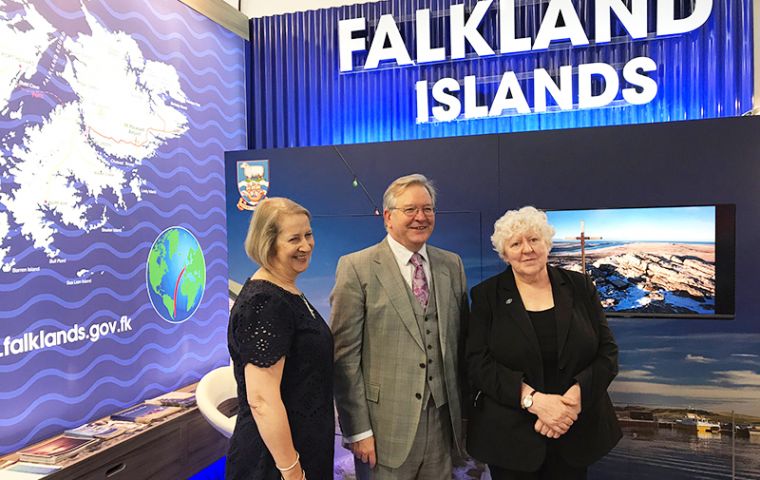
(540, 358)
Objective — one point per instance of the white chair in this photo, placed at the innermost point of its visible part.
(214, 388)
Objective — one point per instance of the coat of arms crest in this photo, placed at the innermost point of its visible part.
(252, 182)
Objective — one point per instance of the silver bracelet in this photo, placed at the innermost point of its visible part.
(287, 469)
(303, 475)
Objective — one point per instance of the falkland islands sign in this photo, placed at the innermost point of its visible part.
(569, 86)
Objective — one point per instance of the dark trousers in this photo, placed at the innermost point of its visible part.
(553, 468)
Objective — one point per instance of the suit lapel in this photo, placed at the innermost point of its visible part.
(441, 282)
(394, 285)
(563, 307)
(512, 306)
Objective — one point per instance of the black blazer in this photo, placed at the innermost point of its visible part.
(502, 349)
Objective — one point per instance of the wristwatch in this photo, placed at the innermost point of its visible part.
(527, 400)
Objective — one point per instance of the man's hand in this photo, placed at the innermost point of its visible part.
(364, 450)
(554, 411)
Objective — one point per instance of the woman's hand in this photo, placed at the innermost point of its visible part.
(555, 413)
(295, 474)
(572, 398)
(544, 430)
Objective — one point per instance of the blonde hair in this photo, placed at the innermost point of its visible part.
(515, 223)
(265, 226)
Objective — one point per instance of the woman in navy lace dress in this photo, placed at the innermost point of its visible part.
(282, 352)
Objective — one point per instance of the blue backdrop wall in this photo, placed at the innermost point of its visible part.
(667, 366)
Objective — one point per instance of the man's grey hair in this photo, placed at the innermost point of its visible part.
(398, 186)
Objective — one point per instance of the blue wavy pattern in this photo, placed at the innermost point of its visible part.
(143, 314)
(108, 379)
(169, 214)
(214, 123)
(239, 117)
(24, 120)
(173, 153)
(151, 355)
(23, 95)
(204, 144)
(51, 280)
(139, 270)
(183, 169)
(56, 300)
(28, 252)
(104, 407)
(172, 56)
(60, 401)
(148, 331)
(50, 323)
(12, 287)
(152, 228)
(59, 84)
(168, 195)
(75, 233)
(173, 20)
(119, 211)
(140, 314)
(208, 138)
(161, 213)
(187, 175)
(123, 362)
(60, 12)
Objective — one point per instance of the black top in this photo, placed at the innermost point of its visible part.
(503, 349)
(267, 323)
(545, 325)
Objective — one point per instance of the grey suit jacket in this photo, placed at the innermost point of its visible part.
(379, 353)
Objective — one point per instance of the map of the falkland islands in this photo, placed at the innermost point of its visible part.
(110, 109)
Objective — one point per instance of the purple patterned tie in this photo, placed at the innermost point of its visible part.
(419, 281)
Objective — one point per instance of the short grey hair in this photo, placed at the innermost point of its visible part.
(400, 184)
(265, 226)
(514, 223)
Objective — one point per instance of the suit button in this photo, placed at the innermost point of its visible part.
(422, 365)
(430, 347)
(428, 331)
(430, 378)
(430, 360)
(419, 396)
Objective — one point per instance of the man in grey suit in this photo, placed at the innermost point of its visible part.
(398, 318)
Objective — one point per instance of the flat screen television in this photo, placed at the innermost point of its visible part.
(652, 261)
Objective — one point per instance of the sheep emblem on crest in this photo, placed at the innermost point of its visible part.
(253, 183)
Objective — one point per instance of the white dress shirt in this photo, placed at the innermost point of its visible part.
(403, 258)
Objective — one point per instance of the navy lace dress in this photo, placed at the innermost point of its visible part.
(267, 323)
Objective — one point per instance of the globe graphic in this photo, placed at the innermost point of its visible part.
(176, 274)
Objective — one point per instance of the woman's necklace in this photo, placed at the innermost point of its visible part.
(306, 302)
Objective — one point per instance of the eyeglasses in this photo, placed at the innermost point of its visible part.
(412, 211)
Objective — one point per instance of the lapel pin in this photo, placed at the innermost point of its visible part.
(508, 301)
